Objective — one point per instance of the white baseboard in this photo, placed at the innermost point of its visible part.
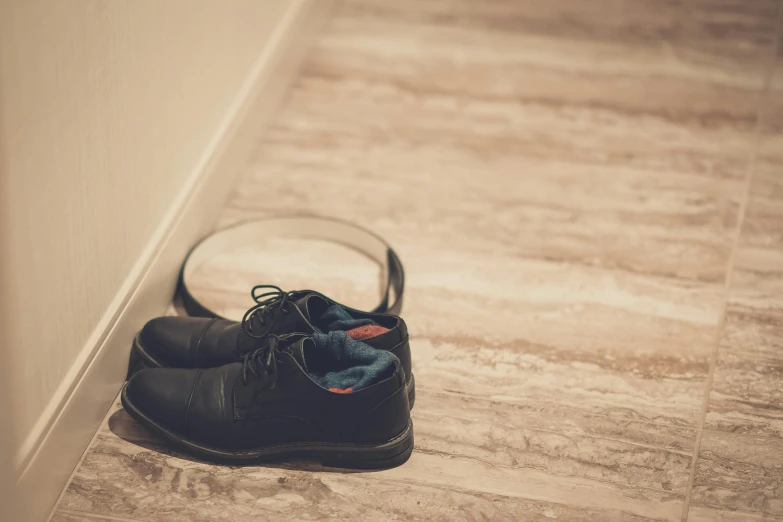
(56, 444)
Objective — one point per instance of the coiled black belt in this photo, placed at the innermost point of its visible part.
(342, 232)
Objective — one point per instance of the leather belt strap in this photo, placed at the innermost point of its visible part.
(342, 232)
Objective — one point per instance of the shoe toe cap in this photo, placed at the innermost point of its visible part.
(163, 395)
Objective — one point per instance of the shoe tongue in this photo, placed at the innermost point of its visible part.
(312, 306)
(297, 350)
(294, 321)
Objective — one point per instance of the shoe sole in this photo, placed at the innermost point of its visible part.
(390, 454)
(140, 359)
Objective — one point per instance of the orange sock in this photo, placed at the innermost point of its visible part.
(366, 332)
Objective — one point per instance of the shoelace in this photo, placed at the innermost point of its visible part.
(265, 357)
(267, 304)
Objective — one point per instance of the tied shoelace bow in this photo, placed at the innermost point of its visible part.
(267, 310)
(265, 357)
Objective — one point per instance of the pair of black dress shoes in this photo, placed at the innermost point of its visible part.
(301, 376)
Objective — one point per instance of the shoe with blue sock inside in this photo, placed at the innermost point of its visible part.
(325, 395)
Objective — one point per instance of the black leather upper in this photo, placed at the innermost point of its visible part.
(195, 342)
(215, 407)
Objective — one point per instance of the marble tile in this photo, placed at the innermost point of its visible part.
(747, 395)
(537, 167)
(740, 473)
(128, 473)
(729, 33)
(563, 183)
(747, 392)
(740, 468)
(704, 514)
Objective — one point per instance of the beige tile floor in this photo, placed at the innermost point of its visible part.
(588, 198)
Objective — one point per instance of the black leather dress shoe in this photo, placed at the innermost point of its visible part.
(278, 404)
(194, 342)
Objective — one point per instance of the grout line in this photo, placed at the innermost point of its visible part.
(98, 516)
(758, 134)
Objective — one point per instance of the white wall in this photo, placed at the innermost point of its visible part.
(105, 109)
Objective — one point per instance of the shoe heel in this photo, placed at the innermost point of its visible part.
(383, 456)
(410, 387)
(135, 364)
(136, 361)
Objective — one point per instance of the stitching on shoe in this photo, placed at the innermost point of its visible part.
(200, 338)
(190, 399)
